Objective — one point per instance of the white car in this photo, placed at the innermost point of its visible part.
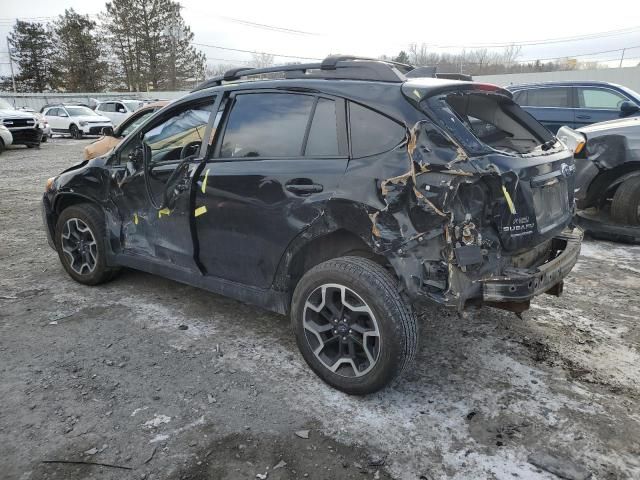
(44, 125)
(23, 126)
(6, 138)
(75, 120)
(118, 110)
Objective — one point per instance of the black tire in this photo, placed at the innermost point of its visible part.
(395, 318)
(90, 216)
(75, 132)
(1, 146)
(44, 139)
(625, 206)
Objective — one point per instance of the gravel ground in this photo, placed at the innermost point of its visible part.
(105, 375)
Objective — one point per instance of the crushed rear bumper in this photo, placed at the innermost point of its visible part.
(522, 284)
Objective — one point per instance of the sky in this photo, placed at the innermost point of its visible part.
(306, 29)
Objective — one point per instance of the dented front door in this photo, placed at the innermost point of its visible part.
(155, 219)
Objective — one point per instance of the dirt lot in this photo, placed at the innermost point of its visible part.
(106, 375)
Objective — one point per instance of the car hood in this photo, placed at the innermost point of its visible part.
(6, 113)
(611, 125)
(92, 118)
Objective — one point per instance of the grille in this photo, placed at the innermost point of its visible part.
(18, 122)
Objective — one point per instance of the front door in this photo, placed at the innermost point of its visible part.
(277, 161)
(153, 203)
(597, 104)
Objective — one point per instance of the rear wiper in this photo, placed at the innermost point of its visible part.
(547, 145)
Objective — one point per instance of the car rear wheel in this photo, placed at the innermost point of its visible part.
(1, 146)
(625, 206)
(75, 132)
(80, 242)
(352, 326)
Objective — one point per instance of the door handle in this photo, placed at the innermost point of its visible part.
(303, 186)
(584, 117)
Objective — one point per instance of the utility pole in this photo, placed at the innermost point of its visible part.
(13, 78)
(622, 57)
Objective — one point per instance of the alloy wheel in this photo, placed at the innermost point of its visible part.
(79, 245)
(341, 330)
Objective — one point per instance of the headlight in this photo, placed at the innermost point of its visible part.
(49, 184)
(82, 123)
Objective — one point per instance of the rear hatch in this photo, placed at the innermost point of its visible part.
(529, 174)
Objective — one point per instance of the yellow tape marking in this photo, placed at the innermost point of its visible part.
(164, 211)
(512, 207)
(135, 218)
(201, 210)
(204, 182)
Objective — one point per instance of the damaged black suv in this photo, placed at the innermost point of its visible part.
(343, 193)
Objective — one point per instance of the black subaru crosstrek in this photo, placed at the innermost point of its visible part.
(344, 193)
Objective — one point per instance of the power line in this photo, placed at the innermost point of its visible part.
(267, 27)
(253, 51)
(526, 43)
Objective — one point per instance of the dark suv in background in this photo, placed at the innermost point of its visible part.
(344, 193)
(575, 104)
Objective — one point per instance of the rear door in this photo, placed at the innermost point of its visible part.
(597, 104)
(278, 158)
(551, 106)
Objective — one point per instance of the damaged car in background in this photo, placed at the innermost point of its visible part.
(346, 194)
(607, 156)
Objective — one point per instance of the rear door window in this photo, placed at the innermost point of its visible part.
(549, 97)
(372, 132)
(600, 98)
(266, 125)
(323, 134)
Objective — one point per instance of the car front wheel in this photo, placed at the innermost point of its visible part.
(80, 242)
(352, 326)
(75, 132)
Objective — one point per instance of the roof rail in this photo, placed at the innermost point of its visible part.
(343, 67)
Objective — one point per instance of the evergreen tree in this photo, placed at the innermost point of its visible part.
(78, 60)
(32, 51)
(152, 44)
(402, 57)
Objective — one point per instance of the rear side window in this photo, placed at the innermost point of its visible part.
(323, 134)
(372, 132)
(108, 107)
(600, 98)
(266, 125)
(548, 97)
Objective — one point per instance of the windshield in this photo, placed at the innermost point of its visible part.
(79, 111)
(632, 93)
(4, 105)
(134, 123)
(132, 106)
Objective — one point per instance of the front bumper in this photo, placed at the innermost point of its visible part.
(95, 128)
(26, 136)
(522, 284)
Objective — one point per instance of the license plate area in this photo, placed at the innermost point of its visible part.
(551, 202)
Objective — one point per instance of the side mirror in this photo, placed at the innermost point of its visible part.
(122, 110)
(628, 108)
(107, 131)
(63, 114)
(135, 156)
